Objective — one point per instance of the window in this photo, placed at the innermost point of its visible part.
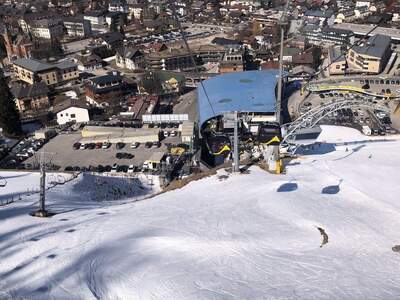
(337, 67)
(66, 114)
(61, 115)
(72, 116)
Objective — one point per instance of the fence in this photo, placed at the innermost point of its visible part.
(32, 191)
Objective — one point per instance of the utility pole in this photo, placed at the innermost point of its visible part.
(42, 183)
(275, 162)
(42, 212)
(235, 144)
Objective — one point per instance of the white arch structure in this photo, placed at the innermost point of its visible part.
(316, 114)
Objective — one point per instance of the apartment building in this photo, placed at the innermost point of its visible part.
(34, 71)
(31, 97)
(371, 57)
(78, 27)
(48, 29)
(327, 35)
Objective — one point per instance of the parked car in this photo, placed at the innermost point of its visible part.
(120, 145)
(114, 168)
(106, 145)
(124, 155)
(122, 168)
(135, 145)
(91, 146)
(131, 169)
(148, 144)
(83, 146)
(99, 145)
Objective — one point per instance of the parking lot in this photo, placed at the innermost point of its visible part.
(60, 151)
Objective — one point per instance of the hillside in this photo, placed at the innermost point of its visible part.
(323, 230)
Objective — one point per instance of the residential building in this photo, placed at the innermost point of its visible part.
(31, 97)
(180, 59)
(231, 62)
(106, 90)
(88, 62)
(130, 58)
(327, 35)
(96, 18)
(47, 29)
(115, 18)
(33, 71)
(210, 53)
(78, 27)
(71, 110)
(118, 6)
(136, 11)
(112, 40)
(364, 3)
(171, 59)
(371, 57)
(325, 17)
(336, 60)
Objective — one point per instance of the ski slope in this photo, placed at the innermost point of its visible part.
(248, 236)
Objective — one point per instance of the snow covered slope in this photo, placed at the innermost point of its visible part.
(249, 236)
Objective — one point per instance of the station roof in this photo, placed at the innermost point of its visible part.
(249, 91)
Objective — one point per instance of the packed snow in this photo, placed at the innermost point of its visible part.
(248, 236)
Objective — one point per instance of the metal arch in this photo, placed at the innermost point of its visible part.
(315, 115)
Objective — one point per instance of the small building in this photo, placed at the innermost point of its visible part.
(88, 62)
(187, 132)
(154, 162)
(92, 134)
(140, 105)
(46, 133)
(71, 110)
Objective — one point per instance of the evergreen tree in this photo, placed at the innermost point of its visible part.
(9, 116)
